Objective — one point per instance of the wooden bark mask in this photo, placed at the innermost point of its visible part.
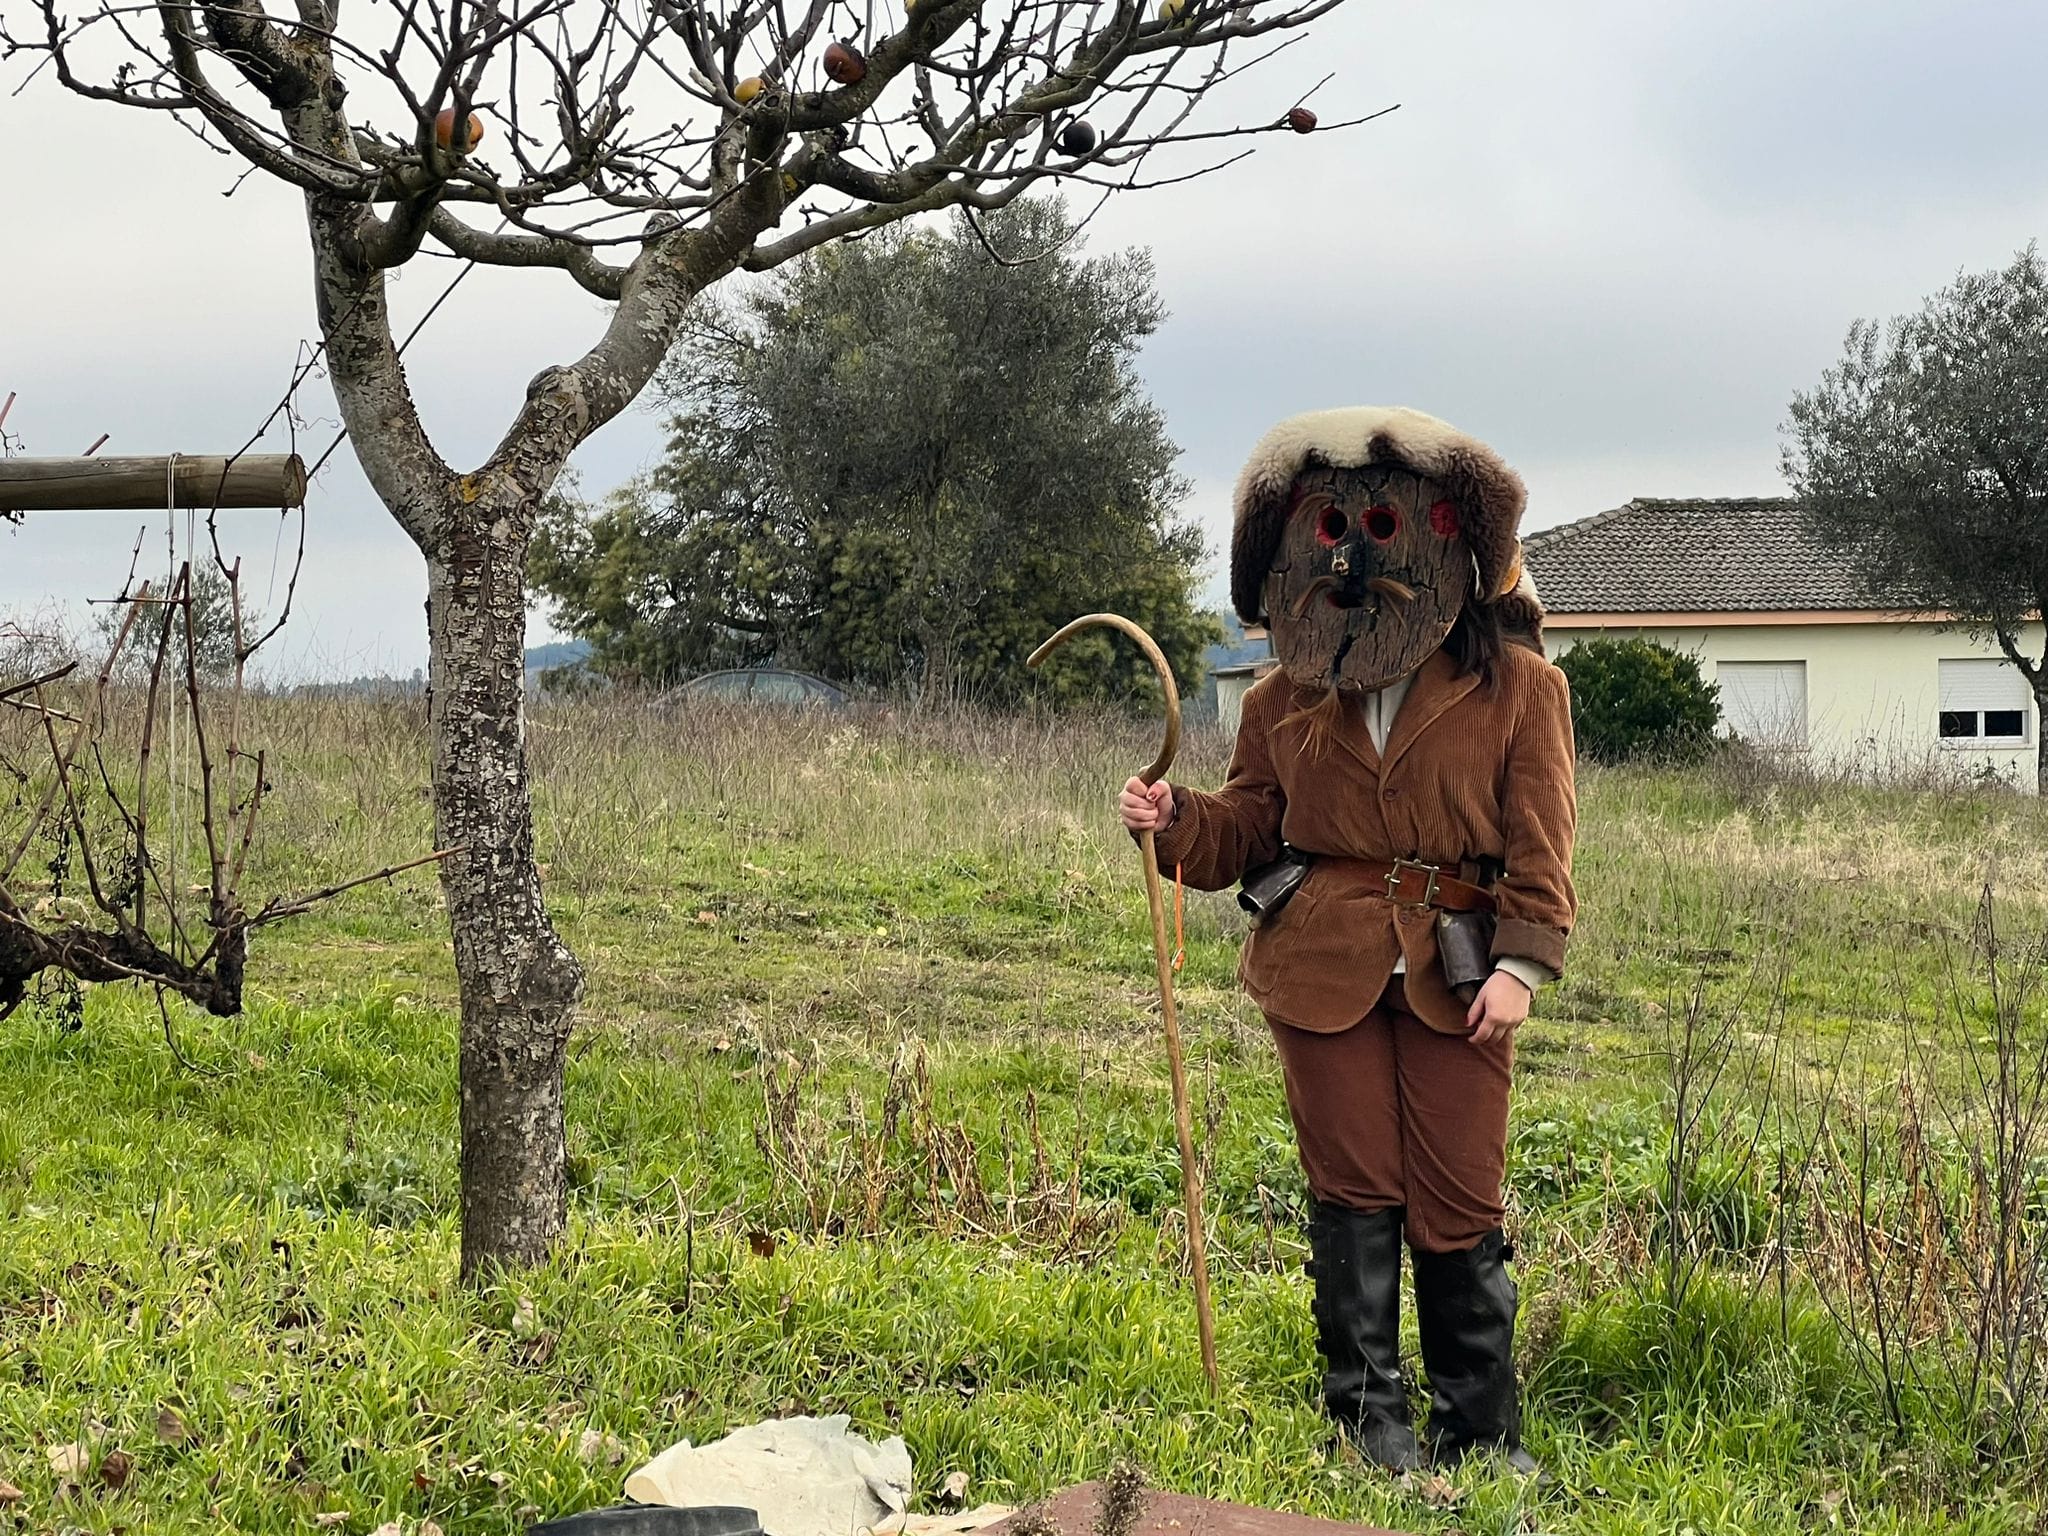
(1371, 573)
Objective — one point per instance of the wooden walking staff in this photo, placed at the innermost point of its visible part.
(1183, 1122)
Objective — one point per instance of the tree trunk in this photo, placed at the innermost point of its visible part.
(519, 981)
(2040, 681)
(937, 683)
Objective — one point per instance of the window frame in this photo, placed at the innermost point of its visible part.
(1980, 739)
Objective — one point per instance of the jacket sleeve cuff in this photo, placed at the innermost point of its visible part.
(1527, 972)
(1518, 940)
(1177, 840)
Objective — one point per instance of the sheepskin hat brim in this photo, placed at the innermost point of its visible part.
(1488, 494)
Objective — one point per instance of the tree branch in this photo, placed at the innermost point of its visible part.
(579, 261)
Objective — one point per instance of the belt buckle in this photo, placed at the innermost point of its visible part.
(1400, 868)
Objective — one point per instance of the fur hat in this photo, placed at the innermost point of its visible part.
(1489, 497)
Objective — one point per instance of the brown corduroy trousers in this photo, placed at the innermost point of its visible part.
(1393, 1113)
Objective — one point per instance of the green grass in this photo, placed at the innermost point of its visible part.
(825, 962)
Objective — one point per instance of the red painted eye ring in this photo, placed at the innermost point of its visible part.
(1443, 517)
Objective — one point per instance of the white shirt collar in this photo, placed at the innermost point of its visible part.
(1381, 707)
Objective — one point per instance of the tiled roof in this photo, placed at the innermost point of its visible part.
(1742, 555)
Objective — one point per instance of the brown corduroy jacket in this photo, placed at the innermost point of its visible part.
(1471, 771)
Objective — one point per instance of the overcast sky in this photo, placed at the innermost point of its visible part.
(1610, 238)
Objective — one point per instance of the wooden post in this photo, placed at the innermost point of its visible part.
(152, 483)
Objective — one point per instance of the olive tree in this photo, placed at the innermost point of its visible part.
(913, 511)
(1922, 460)
(647, 150)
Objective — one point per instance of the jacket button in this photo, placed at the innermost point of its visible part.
(1389, 794)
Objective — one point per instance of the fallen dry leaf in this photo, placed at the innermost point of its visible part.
(707, 918)
(595, 1444)
(428, 1528)
(171, 1428)
(70, 1460)
(116, 1467)
(9, 1494)
(537, 1351)
(331, 1518)
(1439, 1492)
(389, 1528)
(954, 1489)
(763, 1244)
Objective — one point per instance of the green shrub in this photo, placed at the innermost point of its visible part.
(1635, 699)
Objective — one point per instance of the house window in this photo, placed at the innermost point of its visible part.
(1764, 701)
(1984, 703)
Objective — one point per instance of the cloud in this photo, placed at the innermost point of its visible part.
(1880, 112)
(1612, 239)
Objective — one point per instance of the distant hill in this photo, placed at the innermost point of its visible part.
(380, 687)
(1234, 650)
(559, 653)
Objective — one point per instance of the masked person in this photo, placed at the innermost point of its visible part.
(1408, 769)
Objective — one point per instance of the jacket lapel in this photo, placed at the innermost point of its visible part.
(1350, 735)
(1436, 688)
(1357, 740)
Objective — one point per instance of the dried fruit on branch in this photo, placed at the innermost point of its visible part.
(444, 131)
(845, 64)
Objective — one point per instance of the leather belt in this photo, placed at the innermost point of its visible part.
(1411, 883)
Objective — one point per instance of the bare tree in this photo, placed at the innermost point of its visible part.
(648, 149)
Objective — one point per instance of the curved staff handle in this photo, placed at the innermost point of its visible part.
(1171, 746)
(1162, 954)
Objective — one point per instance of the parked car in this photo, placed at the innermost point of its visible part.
(764, 685)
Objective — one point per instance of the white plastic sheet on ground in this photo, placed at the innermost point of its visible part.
(803, 1477)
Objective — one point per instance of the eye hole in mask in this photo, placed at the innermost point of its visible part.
(1332, 525)
(1382, 523)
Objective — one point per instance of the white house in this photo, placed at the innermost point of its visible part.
(1805, 661)
(1234, 679)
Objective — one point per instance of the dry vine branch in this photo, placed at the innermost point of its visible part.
(1930, 1210)
(102, 817)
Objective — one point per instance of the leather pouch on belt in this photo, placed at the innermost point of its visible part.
(1269, 887)
(1464, 947)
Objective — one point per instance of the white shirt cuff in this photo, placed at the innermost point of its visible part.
(1527, 972)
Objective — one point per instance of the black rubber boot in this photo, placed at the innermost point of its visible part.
(1356, 1261)
(1465, 1312)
